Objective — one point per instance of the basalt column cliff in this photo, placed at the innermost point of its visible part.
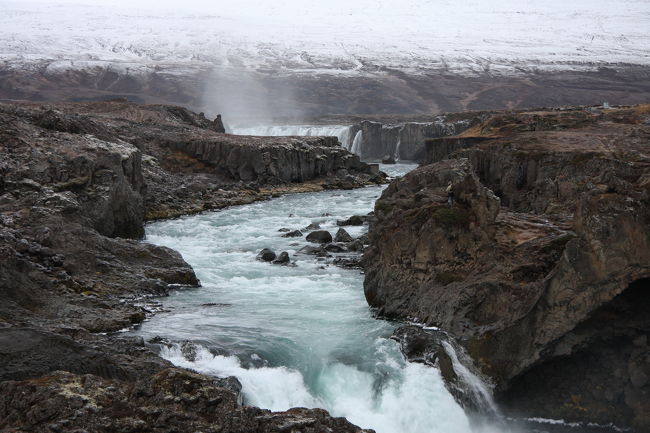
(541, 267)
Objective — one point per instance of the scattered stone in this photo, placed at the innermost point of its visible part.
(320, 236)
(356, 245)
(312, 226)
(293, 234)
(343, 236)
(283, 259)
(348, 262)
(354, 220)
(266, 255)
(335, 248)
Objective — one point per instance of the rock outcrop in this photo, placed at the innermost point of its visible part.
(383, 141)
(541, 268)
(77, 182)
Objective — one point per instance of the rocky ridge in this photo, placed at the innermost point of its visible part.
(77, 182)
(540, 267)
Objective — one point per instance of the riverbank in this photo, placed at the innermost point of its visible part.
(77, 183)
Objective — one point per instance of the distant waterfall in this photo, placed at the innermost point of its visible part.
(399, 142)
(357, 143)
(341, 132)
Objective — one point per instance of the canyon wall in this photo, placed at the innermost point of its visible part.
(541, 266)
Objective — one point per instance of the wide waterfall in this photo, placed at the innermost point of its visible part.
(342, 132)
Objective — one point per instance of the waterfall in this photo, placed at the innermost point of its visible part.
(473, 388)
(399, 142)
(357, 143)
(342, 132)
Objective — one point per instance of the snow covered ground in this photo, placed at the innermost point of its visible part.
(334, 36)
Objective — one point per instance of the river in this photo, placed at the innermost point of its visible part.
(298, 335)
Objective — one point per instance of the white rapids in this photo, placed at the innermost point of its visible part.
(295, 336)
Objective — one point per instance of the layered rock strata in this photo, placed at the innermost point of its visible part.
(77, 182)
(540, 267)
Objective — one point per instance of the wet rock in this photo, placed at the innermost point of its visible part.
(283, 259)
(343, 236)
(316, 251)
(284, 229)
(335, 248)
(418, 345)
(388, 159)
(320, 236)
(266, 255)
(348, 262)
(312, 226)
(355, 220)
(356, 245)
(293, 234)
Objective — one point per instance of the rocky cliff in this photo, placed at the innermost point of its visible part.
(76, 184)
(541, 266)
(406, 140)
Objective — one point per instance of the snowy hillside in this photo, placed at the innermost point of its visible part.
(337, 36)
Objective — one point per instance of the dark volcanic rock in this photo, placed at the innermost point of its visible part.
(354, 220)
(343, 236)
(320, 236)
(335, 248)
(283, 259)
(266, 255)
(172, 400)
(293, 234)
(531, 289)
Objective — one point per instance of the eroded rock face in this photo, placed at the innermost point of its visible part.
(546, 247)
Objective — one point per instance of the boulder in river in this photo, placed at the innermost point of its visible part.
(354, 220)
(293, 234)
(355, 245)
(266, 255)
(335, 248)
(320, 236)
(312, 226)
(388, 159)
(283, 259)
(343, 236)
